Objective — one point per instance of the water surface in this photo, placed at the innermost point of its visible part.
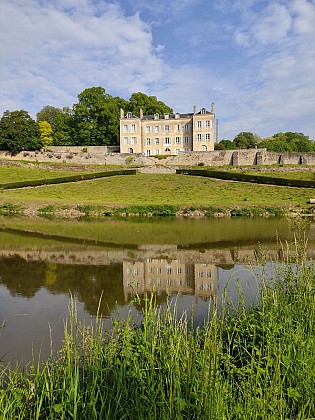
(192, 259)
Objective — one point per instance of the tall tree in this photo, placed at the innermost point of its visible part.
(149, 104)
(96, 118)
(45, 133)
(18, 131)
(245, 140)
(60, 121)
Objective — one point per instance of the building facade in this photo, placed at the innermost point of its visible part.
(167, 134)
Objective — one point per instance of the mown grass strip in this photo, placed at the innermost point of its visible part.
(65, 179)
(257, 179)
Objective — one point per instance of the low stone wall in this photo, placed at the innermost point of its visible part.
(105, 155)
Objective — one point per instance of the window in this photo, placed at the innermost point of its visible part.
(147, 142)
(125, 127)
(133, 127)
(129, 115)
(169, 270)
(177, 140)
(203, 110)
(156, 129)
(147, 129)
(125, 140)
(208, 124)
(186, 140)
(167, 151)
(177, 151)
(167, 140)
(167, 128)
(166, 116)
(199, 137)
(179, 270)
(208, 136)
(177, 115)
(157, 141)
(148, 152)
(198, 124)
(203, 148)
(177, 127)
(186, 150)
(156, 116)
(186, 127)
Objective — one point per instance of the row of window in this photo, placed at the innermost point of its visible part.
(202, 137)
(167, 128)
(129, 128)
(166, 141)
(130, 140)
(169, 282)
(203, 124)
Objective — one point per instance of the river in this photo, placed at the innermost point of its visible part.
(105, 264)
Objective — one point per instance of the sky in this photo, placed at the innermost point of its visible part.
(255, 59)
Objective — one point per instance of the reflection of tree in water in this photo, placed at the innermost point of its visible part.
(86, 282)
(22, 278)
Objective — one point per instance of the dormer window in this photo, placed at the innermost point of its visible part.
(129, 114)
(156, 116)
(177, 115)
(166, 116)
(203, 110)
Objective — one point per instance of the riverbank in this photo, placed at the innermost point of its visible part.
(253, 364)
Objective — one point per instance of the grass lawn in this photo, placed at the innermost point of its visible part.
(153, 189)
(24, 171)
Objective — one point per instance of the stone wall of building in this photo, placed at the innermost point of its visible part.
(104, 155)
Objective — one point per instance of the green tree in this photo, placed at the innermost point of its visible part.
(245, 140)
(288, 142)
(298, 142)
(18, 131)
(60, 121)
(149, 104)
(225, 145)
(96, 118)
(46, 133)
(274, 145)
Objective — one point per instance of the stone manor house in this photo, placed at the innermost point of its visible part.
(168, 133)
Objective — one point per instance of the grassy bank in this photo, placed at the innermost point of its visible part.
(130, 194)
(242, 364)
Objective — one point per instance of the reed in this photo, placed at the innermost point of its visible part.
(256, 363)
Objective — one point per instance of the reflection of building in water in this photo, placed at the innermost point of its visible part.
(173, 276)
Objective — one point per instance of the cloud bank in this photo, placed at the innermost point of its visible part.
(254, 58)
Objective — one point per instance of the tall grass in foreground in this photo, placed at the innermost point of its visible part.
(252, 364)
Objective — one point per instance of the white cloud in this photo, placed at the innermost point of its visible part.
(53, 55)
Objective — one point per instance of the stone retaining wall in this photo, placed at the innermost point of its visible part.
(106, 155)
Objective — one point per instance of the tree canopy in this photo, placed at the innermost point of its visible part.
(18, 131)
(149, 104)
(288, 142)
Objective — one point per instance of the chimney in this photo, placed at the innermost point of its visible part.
(122, 113)
(141, 113)
(212, 107)
(195, 109)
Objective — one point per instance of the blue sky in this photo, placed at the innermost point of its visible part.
(255, 59)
